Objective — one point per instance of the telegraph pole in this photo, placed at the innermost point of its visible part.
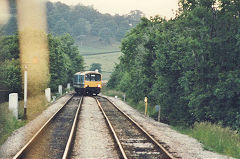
(25, 93)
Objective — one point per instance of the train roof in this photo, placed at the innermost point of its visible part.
(87, 72)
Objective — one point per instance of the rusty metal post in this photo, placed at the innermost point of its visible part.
(159, 111)
(146, 104)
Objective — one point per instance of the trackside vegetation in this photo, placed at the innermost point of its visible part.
(189, 65)
(65, 60)
(8, 123)
(215, 138)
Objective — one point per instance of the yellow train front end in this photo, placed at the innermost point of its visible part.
(89, 82)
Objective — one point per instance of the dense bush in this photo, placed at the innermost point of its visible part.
(65, 60)
(10, 75)
(189, 65)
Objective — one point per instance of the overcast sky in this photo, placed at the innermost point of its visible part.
(165, 8)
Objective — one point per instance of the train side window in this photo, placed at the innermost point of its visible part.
(81, 79)
(75, 78)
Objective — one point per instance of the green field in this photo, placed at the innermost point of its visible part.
(107, 61)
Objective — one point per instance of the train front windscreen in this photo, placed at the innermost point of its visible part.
(93, 77)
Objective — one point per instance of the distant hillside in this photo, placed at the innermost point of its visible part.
(84, 23)
(92, 31)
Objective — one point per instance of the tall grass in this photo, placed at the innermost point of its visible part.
(35, 106)
(215, 138)
(8, 123)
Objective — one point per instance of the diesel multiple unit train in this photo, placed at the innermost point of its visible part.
(87, 83)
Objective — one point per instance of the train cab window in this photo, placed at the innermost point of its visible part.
(93, 77)
(98, 77)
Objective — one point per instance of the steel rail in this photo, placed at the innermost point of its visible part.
(20, 153)
(113, 131)
(68, 145)
(141, 129)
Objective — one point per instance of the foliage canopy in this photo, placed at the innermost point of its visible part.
(189, 65)
(65, 60)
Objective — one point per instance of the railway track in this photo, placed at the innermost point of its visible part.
(54, 139)
(133, 141)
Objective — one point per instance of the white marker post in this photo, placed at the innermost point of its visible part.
(158, 109)
(60, 90)
(13, 104)
(68, 86)
(48, 94)
(25, 93)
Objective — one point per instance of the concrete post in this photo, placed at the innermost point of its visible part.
(68, 86)
(48, 94)
(13, 104)
(60, 89)
(54, 98)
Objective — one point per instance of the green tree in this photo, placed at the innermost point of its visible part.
(105, 35)
(61, 27)
(10, 75)
(65, 60)
(96, 66)
(189, 65)
(9, 47)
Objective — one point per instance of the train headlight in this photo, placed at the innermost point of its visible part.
(99, 86)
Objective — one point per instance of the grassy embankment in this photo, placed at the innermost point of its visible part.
(8, 123)
(213, 137)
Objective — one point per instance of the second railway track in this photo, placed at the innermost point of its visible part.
(133, 140)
